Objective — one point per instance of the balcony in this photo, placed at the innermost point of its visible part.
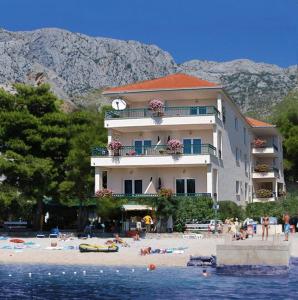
(168, 116)
(265, 173)
(154, 156)
(262, 147)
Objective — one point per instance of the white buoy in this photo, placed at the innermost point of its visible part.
(147, 269)
(49, 274)
(84, 272)
(101, 271)
(75, 273)
(132, 270)
(63, 273)
(30, 274)
(117, 271)
(9, 275)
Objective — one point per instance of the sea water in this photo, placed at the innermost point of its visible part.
(96, 282)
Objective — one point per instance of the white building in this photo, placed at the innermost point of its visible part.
(224, 154)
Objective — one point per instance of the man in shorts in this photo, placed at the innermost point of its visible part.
(286, 219)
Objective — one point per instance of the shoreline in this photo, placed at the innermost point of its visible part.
(126, 257)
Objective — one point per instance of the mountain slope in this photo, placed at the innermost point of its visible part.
(77, 66)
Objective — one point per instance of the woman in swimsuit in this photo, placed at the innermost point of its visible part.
(265, 226)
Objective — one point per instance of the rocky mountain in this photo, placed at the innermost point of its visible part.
(79, 66)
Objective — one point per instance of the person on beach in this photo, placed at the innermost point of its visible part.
(265, 227)
(145, 251)
(286, 219)
(147, 219)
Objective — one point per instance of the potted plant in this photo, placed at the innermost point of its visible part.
(262, 168)
(156, 106)
(131, 152)
(259, 143)
(264, 193)
(104, 193)
(115, 146)
(174, 146)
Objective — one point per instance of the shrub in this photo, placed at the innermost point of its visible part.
(166, 193)
(193, 208)
(264, 193)
(262, 168)
(104, 193)
(229, 209)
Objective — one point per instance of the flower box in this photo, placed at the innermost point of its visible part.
(262, 168)
(259, 143)
(264, 193)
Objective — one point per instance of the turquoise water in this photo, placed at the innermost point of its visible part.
(138, 283)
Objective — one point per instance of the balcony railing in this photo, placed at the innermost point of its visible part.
(156, 195)
(266, 170)
(154, 150)
(165, 112)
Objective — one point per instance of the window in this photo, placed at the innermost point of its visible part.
(185, 185)
(224, 114)
(191, 146)
(201, 110)
(138, 187)
(237, 155)
(237, 187)
(127, 187)
(236, 123)
(141, 147)
(245, 191)
(244, 135)
(245, 163)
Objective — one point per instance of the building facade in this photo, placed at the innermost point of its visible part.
(186, 134)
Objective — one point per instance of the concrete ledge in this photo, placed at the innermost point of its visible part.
(257, 254)
(252, 270)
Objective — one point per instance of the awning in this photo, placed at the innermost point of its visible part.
(131, 207)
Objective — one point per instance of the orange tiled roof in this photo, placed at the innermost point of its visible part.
(256, 123)
(174, 81)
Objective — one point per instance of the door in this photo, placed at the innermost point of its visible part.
(191, 186)
(128, 187)
(180, 188)
(192, 146)
(142, 147)
(138, 186)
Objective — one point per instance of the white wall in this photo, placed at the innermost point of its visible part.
(168, 177)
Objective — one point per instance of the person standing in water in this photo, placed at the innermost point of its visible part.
(286, 219)
(265, 226)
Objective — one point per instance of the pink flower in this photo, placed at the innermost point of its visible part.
(156, 105)
(115, 145)
(104, 193)
(174, 145)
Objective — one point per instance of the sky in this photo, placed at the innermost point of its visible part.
(216, 30)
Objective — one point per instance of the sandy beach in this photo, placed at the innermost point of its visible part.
(129, 256)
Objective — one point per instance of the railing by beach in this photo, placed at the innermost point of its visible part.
(207, 195)
(154, 150)
(164, 112)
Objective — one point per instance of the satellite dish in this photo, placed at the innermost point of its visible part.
(118, 104)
